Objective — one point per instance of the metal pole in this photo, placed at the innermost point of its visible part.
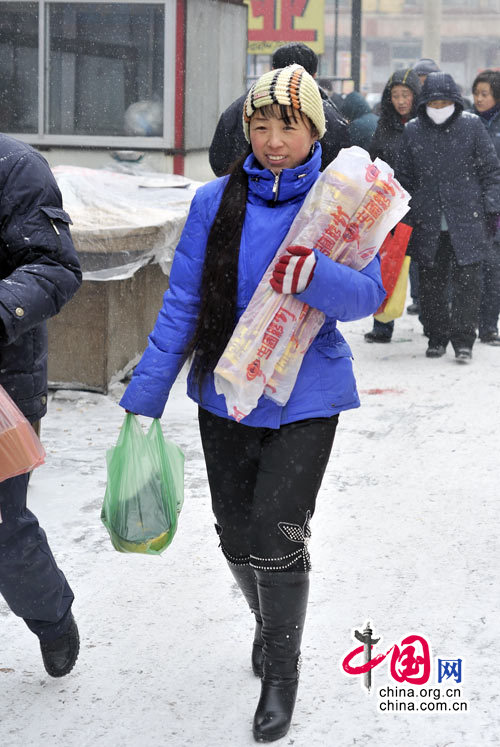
(432, 30)
(356, 43)
(335, 37)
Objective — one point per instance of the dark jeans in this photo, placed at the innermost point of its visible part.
(264, 483)
(414, 281)
(490, 296)
(441, 324)
(30, 581)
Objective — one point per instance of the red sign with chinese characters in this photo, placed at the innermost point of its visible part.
(272, 23)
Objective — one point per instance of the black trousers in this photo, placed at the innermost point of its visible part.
(490, 296)
(442, 324)
(30, 581)
(264, 483)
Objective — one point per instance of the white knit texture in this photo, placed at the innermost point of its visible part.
(304, 274)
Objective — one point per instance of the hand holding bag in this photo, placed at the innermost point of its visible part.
(144, 491)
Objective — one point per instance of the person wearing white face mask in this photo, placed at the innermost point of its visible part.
(440, 110)
(448, 164)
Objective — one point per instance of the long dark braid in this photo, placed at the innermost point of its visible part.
(219, 284)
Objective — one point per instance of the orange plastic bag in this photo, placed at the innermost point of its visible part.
(20, 447)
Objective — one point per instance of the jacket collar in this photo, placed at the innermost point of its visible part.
(489, 115)
(291, 184)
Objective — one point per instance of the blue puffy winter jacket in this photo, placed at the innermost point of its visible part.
(325, 384)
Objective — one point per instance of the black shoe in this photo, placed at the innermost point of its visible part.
(463, 355)
(413, 308)
(374, 337)
(283, 603)
(435, 351)
(492, 338)
(59, 656)
(244, 576)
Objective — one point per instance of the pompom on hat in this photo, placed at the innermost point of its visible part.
(290, 86)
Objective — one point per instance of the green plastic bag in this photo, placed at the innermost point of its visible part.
(145, 489)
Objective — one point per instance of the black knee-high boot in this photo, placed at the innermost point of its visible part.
(245, 578)
(283, 603)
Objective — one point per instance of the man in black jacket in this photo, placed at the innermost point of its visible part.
(39, 273)
(229, 143)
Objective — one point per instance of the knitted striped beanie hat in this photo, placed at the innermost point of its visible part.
(291, 86)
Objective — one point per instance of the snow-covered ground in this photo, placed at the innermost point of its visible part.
(405, 535)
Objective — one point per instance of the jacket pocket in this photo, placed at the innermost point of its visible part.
(332, 344)
(58, 219)
(53, 224)
(338, 386)
(56, 214)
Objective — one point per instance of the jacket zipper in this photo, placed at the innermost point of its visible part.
(276, 186)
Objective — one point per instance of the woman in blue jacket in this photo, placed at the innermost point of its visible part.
(265, 471)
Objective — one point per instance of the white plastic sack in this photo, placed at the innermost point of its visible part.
(121, 221)
(346, 215)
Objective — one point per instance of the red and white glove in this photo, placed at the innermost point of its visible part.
(294, 270)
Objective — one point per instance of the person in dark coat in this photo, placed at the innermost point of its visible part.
(362, 121)
(423, 67)
(448, 164)
(39, 273)
(486, 92)
(228, 142)
(398, 106)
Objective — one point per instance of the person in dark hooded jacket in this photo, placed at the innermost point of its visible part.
(398, 106)
(228, 142)
(423, 67)
(448, 164)
(39, 273)
(362, 121)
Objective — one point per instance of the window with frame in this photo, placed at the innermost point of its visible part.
(100, 73)
(19, 67)
(105, 69)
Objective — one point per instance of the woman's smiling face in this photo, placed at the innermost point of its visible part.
(279, 144)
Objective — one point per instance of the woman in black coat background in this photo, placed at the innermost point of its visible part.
(449, 165)
(486, 92)
(398, 106)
